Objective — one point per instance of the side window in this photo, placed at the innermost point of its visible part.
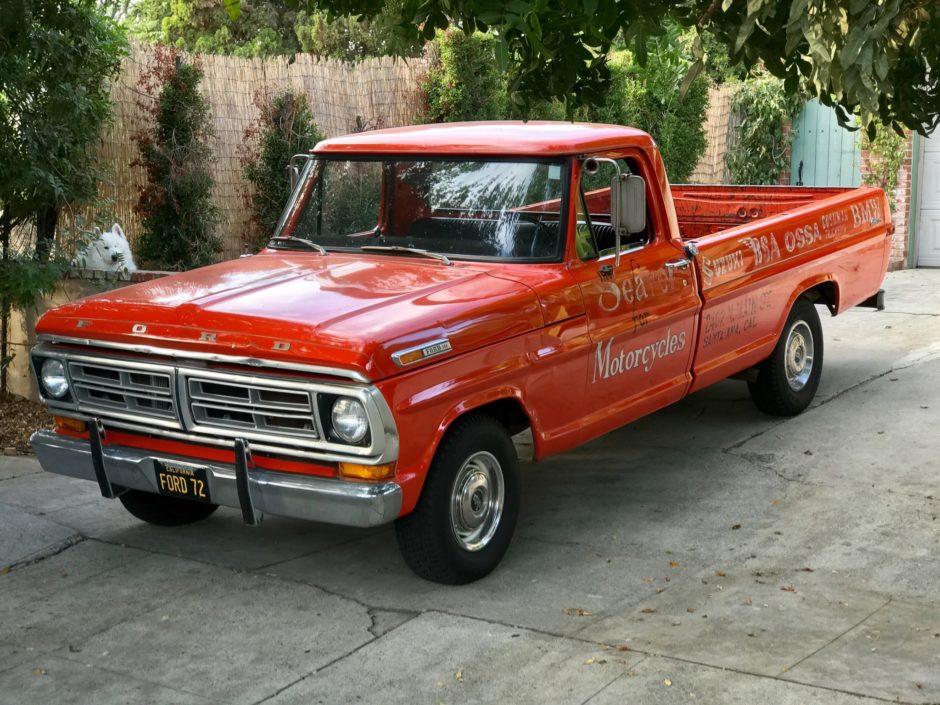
(596, 192)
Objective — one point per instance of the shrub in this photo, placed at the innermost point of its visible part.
(762, 149)
(648, 97)
(179, 218)
(284, 127)
(464, 83)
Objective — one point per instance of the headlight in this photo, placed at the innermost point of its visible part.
(349, 419)
(53, 378)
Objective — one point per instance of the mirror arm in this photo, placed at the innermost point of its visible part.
(293, 168)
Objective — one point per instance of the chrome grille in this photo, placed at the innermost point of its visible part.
(278, 413)
(252, 406)
(108, 387)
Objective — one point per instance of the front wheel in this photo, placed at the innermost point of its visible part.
(787, 380)
(464, 520)
(161, 510)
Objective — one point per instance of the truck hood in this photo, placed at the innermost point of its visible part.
(344, 310)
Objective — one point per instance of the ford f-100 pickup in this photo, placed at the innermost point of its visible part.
(430, 292)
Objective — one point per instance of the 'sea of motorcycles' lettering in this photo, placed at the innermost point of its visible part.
(429, 293)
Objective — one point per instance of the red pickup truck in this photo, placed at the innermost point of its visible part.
(430, 292)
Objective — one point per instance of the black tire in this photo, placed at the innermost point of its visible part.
(444, 545)
(784, 385)
(161, 510)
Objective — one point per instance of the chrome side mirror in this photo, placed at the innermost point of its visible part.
(627, 207)
(294, 167)
(628, 203)
(627, 200)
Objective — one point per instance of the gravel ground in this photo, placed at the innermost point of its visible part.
(19, 417)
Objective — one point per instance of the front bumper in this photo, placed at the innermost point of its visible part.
(284, 494)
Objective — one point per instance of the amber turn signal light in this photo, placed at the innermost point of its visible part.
(367, 472)
(66, 424)
(410, 357)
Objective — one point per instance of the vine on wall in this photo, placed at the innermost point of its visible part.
(886, 154)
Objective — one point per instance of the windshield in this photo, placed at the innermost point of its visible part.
(460, 208)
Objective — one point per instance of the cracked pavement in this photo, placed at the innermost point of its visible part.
(707, 553)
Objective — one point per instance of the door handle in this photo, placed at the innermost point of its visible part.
(678, 263)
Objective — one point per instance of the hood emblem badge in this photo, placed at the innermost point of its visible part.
(138, 328)
(83, 324)
(207, 337)
(281, 346)
(421, 352)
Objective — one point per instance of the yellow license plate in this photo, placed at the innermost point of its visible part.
(184, 481)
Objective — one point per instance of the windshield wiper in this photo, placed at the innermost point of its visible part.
(409, 250)
(301, 241)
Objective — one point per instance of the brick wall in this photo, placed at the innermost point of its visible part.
(900, 243)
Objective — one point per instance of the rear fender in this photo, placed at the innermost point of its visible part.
(821, 289)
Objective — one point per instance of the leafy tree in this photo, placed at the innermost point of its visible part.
(54, 100)
(176, 207)
(870, 58)
(284, 127)
(351, 38)
(264, 28)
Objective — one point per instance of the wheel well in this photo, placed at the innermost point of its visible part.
(508, 412)
(824, 293)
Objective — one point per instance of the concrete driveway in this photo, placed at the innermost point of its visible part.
(705, 554)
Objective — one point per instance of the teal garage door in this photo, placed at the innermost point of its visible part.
(824, 154)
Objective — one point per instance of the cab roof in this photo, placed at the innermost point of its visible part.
(507, 138)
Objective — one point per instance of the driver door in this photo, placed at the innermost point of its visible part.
(642, 311)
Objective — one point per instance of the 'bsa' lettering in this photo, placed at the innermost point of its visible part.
(765, 248)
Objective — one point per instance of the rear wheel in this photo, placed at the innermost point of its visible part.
(464, 520)
(165, 511)
(787, 380)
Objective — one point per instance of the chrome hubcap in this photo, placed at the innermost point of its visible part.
(477, 501)
(799, 355)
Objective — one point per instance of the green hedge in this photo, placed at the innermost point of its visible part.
(465, 84)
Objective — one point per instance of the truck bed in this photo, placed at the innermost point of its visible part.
(703, 210)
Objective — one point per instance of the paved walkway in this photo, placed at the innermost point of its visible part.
(705, 554)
